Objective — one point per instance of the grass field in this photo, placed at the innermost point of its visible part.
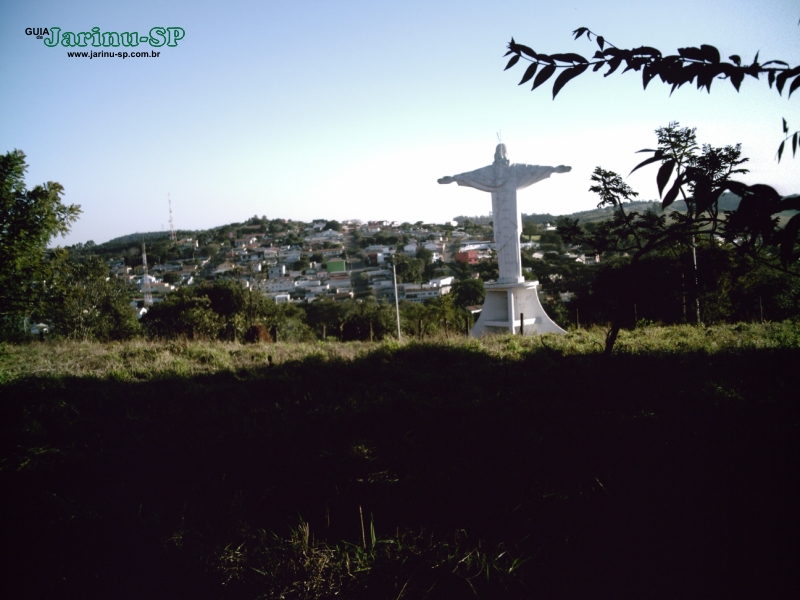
(503, 468)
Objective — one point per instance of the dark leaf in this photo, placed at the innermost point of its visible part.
(509, 52)
(789, 203)
(599, 55)
(710, 53)
(598, 66)
(569, 57)
(771, 77)
(613, 65)
(775, 62)
(735, 58)
(706, 76)
(529, 73)
(736, 79)
(789, 240)
(765, 193)
(646, 51)
(672, 193)
(703, 203)
(753, 70)
(664, 173)
(703, 198)
(780, 150)
(785, 126)
(512, 62)
(794, 86)
(780, 81)
(566, 76)
(633, 64)
(650, 70)
(736, 187)
(794, 143)
(580, 31)
(525, 50)
(543, 76)
(691, 53)
(601, 41)
(655, 158)
(645, 150)
(755, 60)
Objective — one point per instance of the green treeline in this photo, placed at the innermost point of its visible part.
(708, 258)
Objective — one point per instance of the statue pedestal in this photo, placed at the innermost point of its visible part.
(504, 304)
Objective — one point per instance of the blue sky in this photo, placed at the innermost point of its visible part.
(351, 109)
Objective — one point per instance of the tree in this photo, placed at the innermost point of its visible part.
(367, 319)
(468, 292)
(530, 229)
(82, 302)
(409, 270)
(325, 317)
(223, 310)
(700, 178)
(425, 255)
(702, 65)
(29, 220)
(183, 313)
(301, 264)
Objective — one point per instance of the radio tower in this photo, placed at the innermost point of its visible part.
(172, 236)
(148, 294)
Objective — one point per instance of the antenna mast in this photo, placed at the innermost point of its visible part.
(148, 294)
(172, 236)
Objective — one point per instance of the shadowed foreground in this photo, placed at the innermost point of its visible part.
(523, 473)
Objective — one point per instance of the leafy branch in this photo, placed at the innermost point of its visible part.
(701, 65)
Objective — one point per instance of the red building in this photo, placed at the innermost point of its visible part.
(470, 257)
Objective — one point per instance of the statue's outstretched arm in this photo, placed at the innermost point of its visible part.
(562, 169)
(446, 179)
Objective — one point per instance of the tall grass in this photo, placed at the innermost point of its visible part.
(145, 359)
(504, 467)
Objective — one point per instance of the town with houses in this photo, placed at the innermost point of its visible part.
(328, 260)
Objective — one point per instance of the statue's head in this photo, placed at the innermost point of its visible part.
(500, 156)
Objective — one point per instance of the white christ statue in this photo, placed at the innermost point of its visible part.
(503, 180)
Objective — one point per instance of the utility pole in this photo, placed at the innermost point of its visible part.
(172, 236)
(396, 300)
(696, 282)
(148, 294)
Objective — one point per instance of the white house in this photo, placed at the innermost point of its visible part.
(279, 286)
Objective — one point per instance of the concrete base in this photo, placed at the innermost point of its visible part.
(504, 304)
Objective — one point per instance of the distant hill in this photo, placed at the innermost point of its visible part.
(136, 238)
(728, 201)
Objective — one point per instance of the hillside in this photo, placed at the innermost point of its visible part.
(727, 202)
